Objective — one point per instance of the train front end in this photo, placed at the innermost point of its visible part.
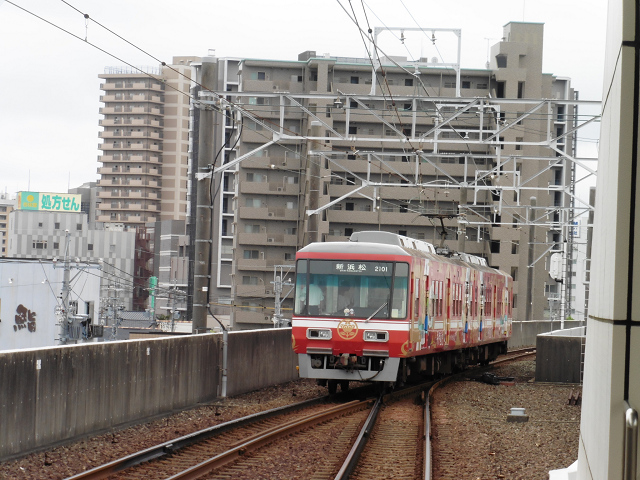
(350, 312)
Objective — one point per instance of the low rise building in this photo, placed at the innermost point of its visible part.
(51, 226)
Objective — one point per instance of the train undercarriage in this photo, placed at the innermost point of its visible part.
(333, 370)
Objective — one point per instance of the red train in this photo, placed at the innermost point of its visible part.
(384, 307)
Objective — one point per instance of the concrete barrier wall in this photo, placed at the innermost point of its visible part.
(559, 356)
(525, 333)
(260, 358)
(57, 394)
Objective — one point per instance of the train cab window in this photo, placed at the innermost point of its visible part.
(359, 289)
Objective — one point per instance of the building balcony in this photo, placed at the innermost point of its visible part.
(109, 182)
(287, 163)
(252, 315)
(109, 194)
(266, 239)
(352, 216)
(106, 122)
(258, 290)
(110, 110)
(275, 188)
(268, 213)
(108, 170)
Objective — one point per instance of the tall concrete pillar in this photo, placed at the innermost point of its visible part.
(612, 361)
(202, 261)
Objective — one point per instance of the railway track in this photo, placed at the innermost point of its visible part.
(387, 437)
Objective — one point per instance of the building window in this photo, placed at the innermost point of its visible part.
(495, 246)
(500, 89)
(519, 141)
(251, 254)
(353, 130)
(56, 245)
(256, 177)
(408, 82)
(289, 256)
(90, 247)
(248, 280)
(501, 60)
(255, 228)
(39, 244)
(348, 232)
(79, 226)
(262, 75)
(39, 224)
(355, 80)
(56, 225)
(520, 89)
(515, 247)
(466, 84)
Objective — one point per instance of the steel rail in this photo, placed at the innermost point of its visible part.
(263, 438)
(103, 471)
(354, 455)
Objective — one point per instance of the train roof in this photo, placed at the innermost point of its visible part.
(356, 248)
(387, 243)
(392, 239)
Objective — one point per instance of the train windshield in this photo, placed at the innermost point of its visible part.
(362, 289)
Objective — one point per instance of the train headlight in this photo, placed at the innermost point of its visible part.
(376, 336)
(318, 334)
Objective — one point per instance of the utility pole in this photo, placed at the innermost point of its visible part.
(462, 222)
(278, 318)
(66, 280)
(314, 188)
(202, 264)
(532, 218)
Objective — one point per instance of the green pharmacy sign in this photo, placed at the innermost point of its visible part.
(52, 202)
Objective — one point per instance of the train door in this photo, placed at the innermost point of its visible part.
(481, 305)
(423, 323)
(447, 308)
(466, 309)
(496, 299)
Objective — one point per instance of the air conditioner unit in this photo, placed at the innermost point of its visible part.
(270, 240)
(270, 214)
(280, 189)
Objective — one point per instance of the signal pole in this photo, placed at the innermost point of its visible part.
(202, 262)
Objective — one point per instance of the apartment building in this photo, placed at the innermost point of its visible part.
(322, 147)
(6, 206)
(145, 138)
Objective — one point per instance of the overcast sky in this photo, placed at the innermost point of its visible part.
(49, 86)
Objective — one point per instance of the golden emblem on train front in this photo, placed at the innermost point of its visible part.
(347, 329)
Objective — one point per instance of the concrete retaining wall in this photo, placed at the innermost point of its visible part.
(260, 358)
(53, 395)
(525, 333)
(559, 356)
